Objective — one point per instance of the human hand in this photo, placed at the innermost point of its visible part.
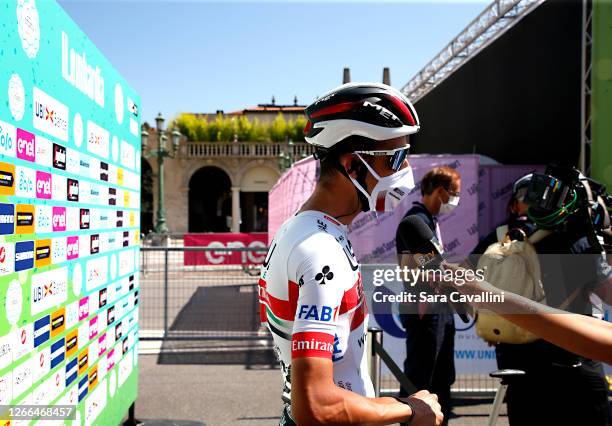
(426, 410)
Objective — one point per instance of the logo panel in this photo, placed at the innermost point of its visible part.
(50, 115)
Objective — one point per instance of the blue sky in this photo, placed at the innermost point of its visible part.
(202, 56)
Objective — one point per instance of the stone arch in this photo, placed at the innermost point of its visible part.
(209, 198)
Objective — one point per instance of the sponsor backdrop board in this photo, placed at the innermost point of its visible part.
(69, 219)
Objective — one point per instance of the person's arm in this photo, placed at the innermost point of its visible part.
(316, 400)
(580, 334)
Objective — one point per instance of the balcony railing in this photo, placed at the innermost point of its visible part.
(248, 149)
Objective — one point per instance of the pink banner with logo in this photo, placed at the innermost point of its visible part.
(225, 240)
(485, 191)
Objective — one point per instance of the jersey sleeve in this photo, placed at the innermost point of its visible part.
(322, 272)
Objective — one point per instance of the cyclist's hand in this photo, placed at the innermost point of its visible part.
(426, 410)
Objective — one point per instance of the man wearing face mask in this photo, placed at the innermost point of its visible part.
(310, 290)
(430, 333)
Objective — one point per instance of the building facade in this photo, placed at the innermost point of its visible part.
(219, 186)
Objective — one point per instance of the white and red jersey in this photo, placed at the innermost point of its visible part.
(311, 299)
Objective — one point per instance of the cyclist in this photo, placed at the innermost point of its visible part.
(310, 290)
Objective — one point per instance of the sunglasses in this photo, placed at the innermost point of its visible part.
(396, 156)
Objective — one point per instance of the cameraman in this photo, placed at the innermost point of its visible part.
(572, 269)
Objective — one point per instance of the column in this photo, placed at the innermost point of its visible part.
(235, 209)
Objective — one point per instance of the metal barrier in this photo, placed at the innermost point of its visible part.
(186, 296)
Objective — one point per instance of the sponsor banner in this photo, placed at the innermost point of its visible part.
(44, 152)
(72, 343)
(97, 139)
(72, 247)
(42, 363)
(42, 253)
(8, 141)
(58, 250)
(48, 289)
(72, 315)
(26, 145)
(23, 341)
(7, 179)
(96, 271)
(42, 330)
(43, 185)
(58, 219)
(225, 241)
(22, 378)
(373, 236)
(58, 322)
(59, 156)
(58, 351)
(7, 219)
(70, 136)
(24, 255)
(50, 115)
(26, 182)
(71, 371)
(59, 186)
(7, 258)
(44, 219)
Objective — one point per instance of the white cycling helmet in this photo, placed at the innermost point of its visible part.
(370, 110)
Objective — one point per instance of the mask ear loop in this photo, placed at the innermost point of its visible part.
(361, 183)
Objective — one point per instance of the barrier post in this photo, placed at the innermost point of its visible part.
(377, 336)
(165, 291)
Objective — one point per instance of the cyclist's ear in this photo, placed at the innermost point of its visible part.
(349, 162)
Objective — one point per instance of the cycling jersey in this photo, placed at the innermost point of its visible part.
(311, 299)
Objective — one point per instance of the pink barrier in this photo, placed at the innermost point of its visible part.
(484, 195)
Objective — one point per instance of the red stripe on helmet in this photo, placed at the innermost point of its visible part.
(334, 109)
(308, 127)
(403, 108)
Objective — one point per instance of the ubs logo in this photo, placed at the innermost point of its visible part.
(58, 219)
(26, 145)
(73, 190)
(7, 179)
(84, 222)
(43, 185)
(95, 243)
(59, 157)
(7, 219)
(24, 219)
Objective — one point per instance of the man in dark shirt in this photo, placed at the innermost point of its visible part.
(430, 333)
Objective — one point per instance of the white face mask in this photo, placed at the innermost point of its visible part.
(449, 206)
(389, 191)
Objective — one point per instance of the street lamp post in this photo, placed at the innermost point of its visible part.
(160, 154)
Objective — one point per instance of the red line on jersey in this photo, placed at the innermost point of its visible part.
(284, 309)
(352, 297)
(312, 344)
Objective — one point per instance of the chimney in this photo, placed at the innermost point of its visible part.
(295, 100)
(273, 100)
(386, 76)
(346, 77)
